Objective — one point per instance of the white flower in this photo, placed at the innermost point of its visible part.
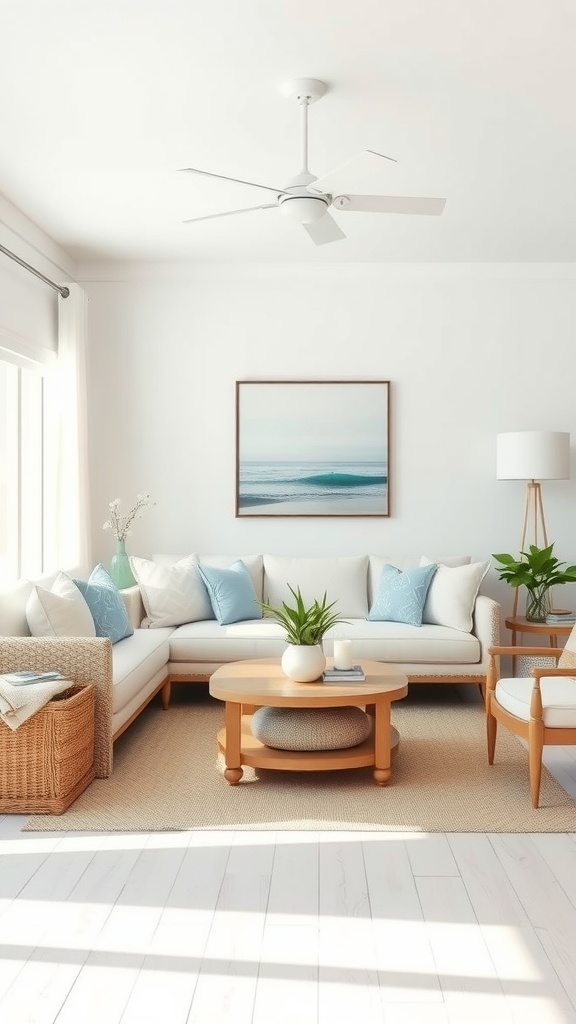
(121, 524)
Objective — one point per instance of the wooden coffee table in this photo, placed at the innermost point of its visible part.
(261, 682)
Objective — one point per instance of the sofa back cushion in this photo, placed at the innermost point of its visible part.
(343, 579)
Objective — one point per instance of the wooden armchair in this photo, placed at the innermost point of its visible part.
(540, 708)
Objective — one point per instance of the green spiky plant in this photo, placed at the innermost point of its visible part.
(305, 626)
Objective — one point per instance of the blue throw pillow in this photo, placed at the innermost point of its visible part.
(231, 593)
(401, 596)
(106, 605)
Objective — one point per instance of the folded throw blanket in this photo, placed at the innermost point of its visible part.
(19, 703)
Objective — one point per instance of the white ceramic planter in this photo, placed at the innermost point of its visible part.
(303, 664)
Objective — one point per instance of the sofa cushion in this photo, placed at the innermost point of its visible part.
(59, 611)
(231, 592)
(344, 580)
(172, 594)
(209, 643)
(135, 660)
(106, 606)
(452, 594)
(401, 594)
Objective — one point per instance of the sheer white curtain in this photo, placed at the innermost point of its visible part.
(66, 513)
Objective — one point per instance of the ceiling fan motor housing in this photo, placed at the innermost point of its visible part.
(304, 208)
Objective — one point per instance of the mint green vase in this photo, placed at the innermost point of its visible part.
(120, 570)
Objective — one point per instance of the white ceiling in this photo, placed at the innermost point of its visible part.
(101, 101)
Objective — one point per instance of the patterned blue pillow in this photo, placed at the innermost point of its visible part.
(401, 596)
(104, 601)
(231, 593)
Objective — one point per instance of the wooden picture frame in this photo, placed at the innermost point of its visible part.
(312, 448)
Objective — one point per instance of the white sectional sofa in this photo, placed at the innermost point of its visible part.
(451, 647)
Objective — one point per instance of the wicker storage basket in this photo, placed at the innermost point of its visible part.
(47, 762)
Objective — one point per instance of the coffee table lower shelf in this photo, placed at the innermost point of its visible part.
(257, 755)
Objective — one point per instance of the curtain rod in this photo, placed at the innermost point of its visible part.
(64, 291)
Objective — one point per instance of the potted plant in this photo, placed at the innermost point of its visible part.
(538, 570)
(304, 660)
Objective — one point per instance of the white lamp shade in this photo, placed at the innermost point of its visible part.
(533, 455)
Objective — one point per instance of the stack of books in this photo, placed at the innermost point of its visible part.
(344, 675)
(25, 678)
(560, 617)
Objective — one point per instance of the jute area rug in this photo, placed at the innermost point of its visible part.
(168, 775)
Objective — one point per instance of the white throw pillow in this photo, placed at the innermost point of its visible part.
(60, 611)
(172, 594)
(452, 594)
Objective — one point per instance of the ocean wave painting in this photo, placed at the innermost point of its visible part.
(312, 448)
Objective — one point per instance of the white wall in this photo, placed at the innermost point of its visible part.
(471, 350)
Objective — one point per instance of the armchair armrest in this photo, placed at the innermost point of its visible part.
(486, 625)
(545, 652)
(539, 673)
(82, 659)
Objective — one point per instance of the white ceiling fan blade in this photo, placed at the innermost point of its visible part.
(324, 230)
(230, 213)
(365, 163)
(390, 204)
(238, 181)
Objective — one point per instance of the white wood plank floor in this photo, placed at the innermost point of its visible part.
(314, 928)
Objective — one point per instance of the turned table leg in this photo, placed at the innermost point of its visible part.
(232, 721)
(382, 754)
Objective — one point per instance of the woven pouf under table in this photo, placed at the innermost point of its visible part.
(314, 729)
(49, 760)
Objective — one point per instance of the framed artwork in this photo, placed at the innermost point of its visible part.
(312, 448)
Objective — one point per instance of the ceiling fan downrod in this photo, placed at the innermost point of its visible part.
(298, 203)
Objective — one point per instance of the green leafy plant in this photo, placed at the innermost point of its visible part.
(305, 626)
(537, 570)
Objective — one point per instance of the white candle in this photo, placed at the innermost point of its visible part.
(342, 654)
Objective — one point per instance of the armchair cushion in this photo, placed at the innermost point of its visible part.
(558, 699)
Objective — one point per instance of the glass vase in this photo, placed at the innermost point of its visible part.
(538, 604)
(120, 570)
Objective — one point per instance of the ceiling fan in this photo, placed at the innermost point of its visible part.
(306, 199)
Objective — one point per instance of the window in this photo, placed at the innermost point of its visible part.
(22, 459)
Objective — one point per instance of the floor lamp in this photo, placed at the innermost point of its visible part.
(533, 455)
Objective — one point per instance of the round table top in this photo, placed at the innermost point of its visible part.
(524, 625)
(262, 681)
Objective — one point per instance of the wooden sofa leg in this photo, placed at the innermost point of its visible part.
(165, 694)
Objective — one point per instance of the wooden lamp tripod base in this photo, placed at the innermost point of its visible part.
(534, 514)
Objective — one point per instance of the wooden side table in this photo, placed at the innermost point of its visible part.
(520, 624)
